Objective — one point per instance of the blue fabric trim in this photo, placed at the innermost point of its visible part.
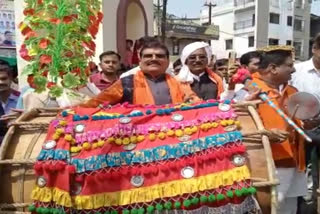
(160, 112)
(155, 154)
(57, 154)
(160, 153)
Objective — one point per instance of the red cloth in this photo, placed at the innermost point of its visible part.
(99, 81)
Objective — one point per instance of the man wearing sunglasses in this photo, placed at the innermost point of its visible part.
(195, 73)
(150, 85)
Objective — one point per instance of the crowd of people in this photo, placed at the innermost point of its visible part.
(197, 76)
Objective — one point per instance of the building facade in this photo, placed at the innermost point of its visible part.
(246, 25)
(124, 19)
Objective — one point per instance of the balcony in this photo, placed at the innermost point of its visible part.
(243, 3)
(244, 24)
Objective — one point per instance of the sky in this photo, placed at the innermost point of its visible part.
(180, 8)
(316, 8)
(191, 8)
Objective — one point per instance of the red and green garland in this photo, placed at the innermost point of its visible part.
(59, 42)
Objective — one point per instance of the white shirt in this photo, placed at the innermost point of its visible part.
(197, 77)
(136, 69)
(306, 78)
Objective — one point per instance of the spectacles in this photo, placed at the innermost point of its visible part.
(200, 57)
(157, 56)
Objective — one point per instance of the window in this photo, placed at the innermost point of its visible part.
(253, 19)
(289, 42)
(250, 41)
(229, 44)
(289, 20)
(297, 48)
(274, 18)
(298, 24)
(273, 41)
(298, 3)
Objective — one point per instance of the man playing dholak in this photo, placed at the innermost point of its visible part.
(195, 73)
(151, 85)
(275, 71)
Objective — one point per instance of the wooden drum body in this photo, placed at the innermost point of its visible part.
(25, 138)
(260, 160)
(18, 152)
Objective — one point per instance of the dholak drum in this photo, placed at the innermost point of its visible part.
(24, 140)
(19, 150)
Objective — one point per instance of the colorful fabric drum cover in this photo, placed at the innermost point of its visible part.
(144, 159)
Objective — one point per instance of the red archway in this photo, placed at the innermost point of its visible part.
(122, 23)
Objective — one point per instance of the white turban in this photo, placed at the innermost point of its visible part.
(185, 74)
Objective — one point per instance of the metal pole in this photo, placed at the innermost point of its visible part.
(159, 20)
(210, 13)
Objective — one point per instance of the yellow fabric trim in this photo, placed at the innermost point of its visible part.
(144, 194)
(51, 194)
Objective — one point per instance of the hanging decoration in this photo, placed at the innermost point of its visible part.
(59, 42)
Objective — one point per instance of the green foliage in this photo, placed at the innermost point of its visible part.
(55, 33)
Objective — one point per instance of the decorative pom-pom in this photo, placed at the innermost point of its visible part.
(212, 198)
(71, 169)
(238, 193)
(220, 197)
(140, 138)
(245, 191)
(159, 207)
(86, 146)
(187, 203)
(195, 201)
(252, 190)
(141, 211)
(32, 208)
(37, 167)
(64, 114)
(152, 136)
(134, 211)
(168, 205)
(203, 199)
(177, 205)
(162, 136)
(179, 133)
(150, 209)
(39, 210)
(230, 194)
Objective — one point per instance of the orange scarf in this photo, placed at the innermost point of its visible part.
(143, 95)
(291, 152)
(217, 79)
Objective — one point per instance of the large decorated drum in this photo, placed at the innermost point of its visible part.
(149, 159)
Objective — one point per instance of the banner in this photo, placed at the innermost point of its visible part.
(7, 24)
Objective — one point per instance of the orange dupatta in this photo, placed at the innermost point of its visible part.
(292, 149)
(217, 79)
(143, 95)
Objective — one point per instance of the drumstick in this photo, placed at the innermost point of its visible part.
(231, 62)
(295, 111)
(265, 98)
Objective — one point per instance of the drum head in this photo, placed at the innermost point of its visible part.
(303, 105)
